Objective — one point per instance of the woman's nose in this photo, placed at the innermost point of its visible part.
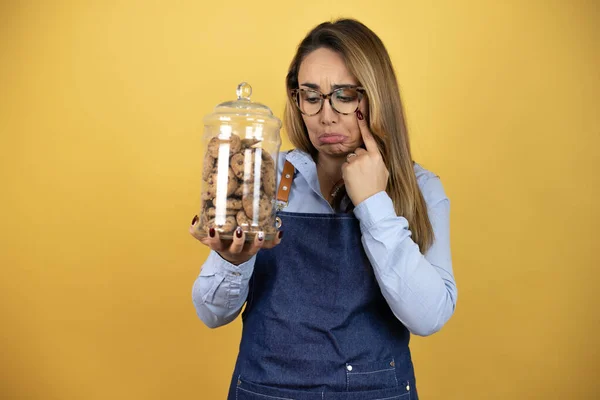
(328, 115)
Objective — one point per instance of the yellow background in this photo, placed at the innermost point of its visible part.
(101, 104)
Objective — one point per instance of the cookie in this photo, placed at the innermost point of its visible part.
(239, 192)
(248, 143)
(263, 211)
(209, 166)
(237, 164)
(234, 204)
(267, 160)
(268, 181)
(232, 182)
(242, 219)
(243, 164)
(209, 193)
(213, 147)
(235, 145)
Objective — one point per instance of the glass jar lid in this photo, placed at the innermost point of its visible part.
(243, 110)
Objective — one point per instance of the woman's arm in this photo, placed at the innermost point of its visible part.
(420, 289)
(221, 289)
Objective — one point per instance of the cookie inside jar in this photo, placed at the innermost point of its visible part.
(238, 187)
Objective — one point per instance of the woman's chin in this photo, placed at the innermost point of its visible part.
(335, 150)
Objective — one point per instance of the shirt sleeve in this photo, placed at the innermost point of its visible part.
(221, 289)
(419, 288)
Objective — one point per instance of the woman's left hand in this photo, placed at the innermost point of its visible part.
(365, 173)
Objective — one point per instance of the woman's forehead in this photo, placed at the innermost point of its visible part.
(323, 69)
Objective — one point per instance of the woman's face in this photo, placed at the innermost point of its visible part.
(330, 132)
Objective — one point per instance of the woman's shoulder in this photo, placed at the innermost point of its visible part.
(281, 158)
(430, 185)
(296, 157)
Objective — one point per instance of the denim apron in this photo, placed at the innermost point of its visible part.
(316, 325)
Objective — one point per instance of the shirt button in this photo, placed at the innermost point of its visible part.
(349, 367)
(235, 273)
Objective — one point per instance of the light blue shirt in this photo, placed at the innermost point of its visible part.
(419, 288)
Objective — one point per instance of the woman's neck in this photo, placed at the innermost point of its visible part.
(329, 171)
(331, 167)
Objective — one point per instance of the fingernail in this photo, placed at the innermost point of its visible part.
(195, 220)
(211, 232)
(359, 115)
(261, 236)
(238, 232)
(280, 234)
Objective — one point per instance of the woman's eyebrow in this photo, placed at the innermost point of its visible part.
(310, 85)
(343, 85)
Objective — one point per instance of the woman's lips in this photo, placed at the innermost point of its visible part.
(331, 138)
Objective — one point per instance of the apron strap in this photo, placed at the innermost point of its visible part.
(283, 192)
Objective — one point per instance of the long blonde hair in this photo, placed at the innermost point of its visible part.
(368, 60)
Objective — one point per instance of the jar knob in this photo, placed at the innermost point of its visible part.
(244, 91)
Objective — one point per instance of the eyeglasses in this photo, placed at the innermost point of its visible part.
(344, 100)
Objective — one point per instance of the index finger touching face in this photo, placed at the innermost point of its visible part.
(367, 136)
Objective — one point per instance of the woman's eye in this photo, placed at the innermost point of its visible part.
(346, 95)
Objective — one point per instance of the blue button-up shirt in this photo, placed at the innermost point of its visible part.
(419, 288)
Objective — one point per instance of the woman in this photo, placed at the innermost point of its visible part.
(366, 257)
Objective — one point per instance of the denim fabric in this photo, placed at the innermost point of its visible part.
(316, 325)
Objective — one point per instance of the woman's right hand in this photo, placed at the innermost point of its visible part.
(236, 251)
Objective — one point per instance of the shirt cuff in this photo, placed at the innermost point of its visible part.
(374, 209)
(217, 264)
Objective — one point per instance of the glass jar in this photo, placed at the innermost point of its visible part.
(241, 147)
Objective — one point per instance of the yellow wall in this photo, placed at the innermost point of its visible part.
(100, 119)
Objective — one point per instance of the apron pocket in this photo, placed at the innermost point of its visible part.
(371, 376)
(251, 391)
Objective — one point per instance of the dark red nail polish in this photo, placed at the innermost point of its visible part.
(261, 236)
(359, 115)
(211, 232)
(280, 234)
(195, 219)
(238, 232)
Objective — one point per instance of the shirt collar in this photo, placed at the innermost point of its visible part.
(307, 168)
